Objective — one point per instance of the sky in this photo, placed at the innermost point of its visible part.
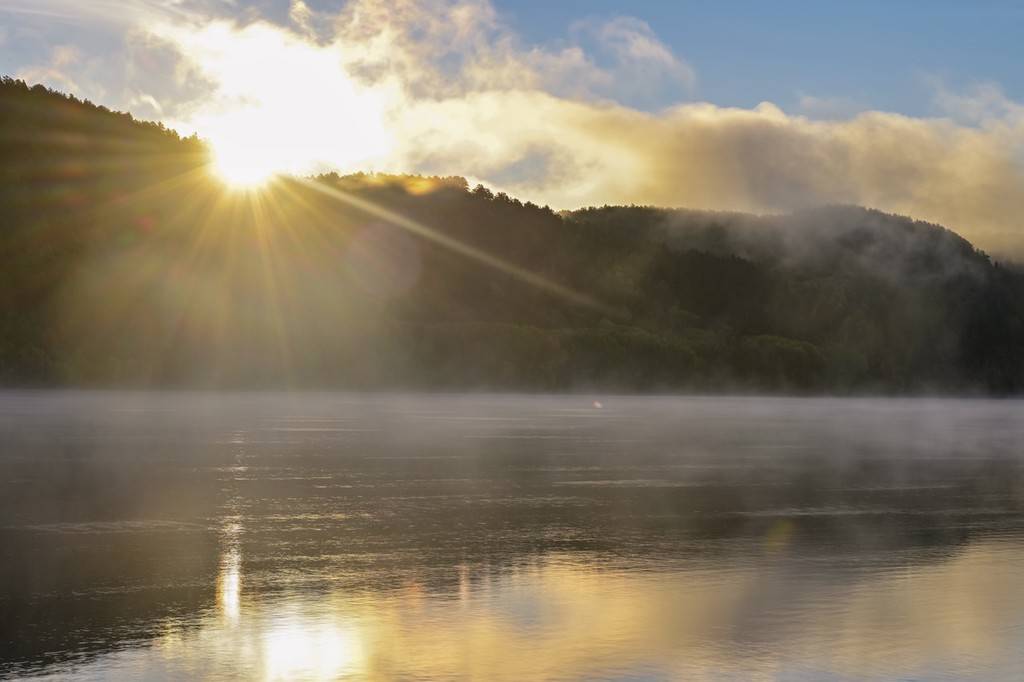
(880, 54)
(911, 107)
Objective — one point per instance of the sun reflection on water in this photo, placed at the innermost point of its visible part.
(229, 584)
(229, 577)
(567, 618)
(302, 648)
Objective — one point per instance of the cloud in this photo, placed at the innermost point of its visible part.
(301, 16)
(447, 87)
(57, 70)
(983, 104)
(438, 48)
(835, 107)
(105, 12)
(639, 57)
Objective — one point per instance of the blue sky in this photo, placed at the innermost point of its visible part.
(876, 54)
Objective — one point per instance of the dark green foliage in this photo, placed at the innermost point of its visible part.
(123, 262)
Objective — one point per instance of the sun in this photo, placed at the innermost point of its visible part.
(242, 166)
(282, 104)
(253, 144)
(247, 151)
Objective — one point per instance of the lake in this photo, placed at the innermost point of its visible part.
(323, 536)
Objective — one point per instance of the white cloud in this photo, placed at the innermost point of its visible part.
(983, 104)
(828, 107)
(56, 71)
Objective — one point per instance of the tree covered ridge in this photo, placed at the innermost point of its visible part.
(123, 263)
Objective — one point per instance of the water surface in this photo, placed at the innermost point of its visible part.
(323, 536)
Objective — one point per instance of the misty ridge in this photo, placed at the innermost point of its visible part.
(123, 263)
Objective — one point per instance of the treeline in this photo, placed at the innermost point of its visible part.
(124, 262)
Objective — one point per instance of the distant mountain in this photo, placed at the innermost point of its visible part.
(123, 262)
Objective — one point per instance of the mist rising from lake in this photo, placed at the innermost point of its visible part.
(317, 536)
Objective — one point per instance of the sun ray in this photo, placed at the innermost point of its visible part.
(271, 280)
(415, 227)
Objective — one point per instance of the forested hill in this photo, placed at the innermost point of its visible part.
(123, 262)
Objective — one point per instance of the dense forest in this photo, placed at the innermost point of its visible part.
(124, 262)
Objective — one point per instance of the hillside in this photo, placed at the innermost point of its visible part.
(123, 262)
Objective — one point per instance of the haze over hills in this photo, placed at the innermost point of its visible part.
(123, 262)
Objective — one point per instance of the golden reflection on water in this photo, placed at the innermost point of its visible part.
(300, 648)
(565, 618)
(229, 584)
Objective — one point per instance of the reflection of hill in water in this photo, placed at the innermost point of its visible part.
(206, 524)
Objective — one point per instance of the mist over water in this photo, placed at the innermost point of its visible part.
(317, 536)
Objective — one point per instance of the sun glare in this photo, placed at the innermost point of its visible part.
(242, 165)
(283, 105)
